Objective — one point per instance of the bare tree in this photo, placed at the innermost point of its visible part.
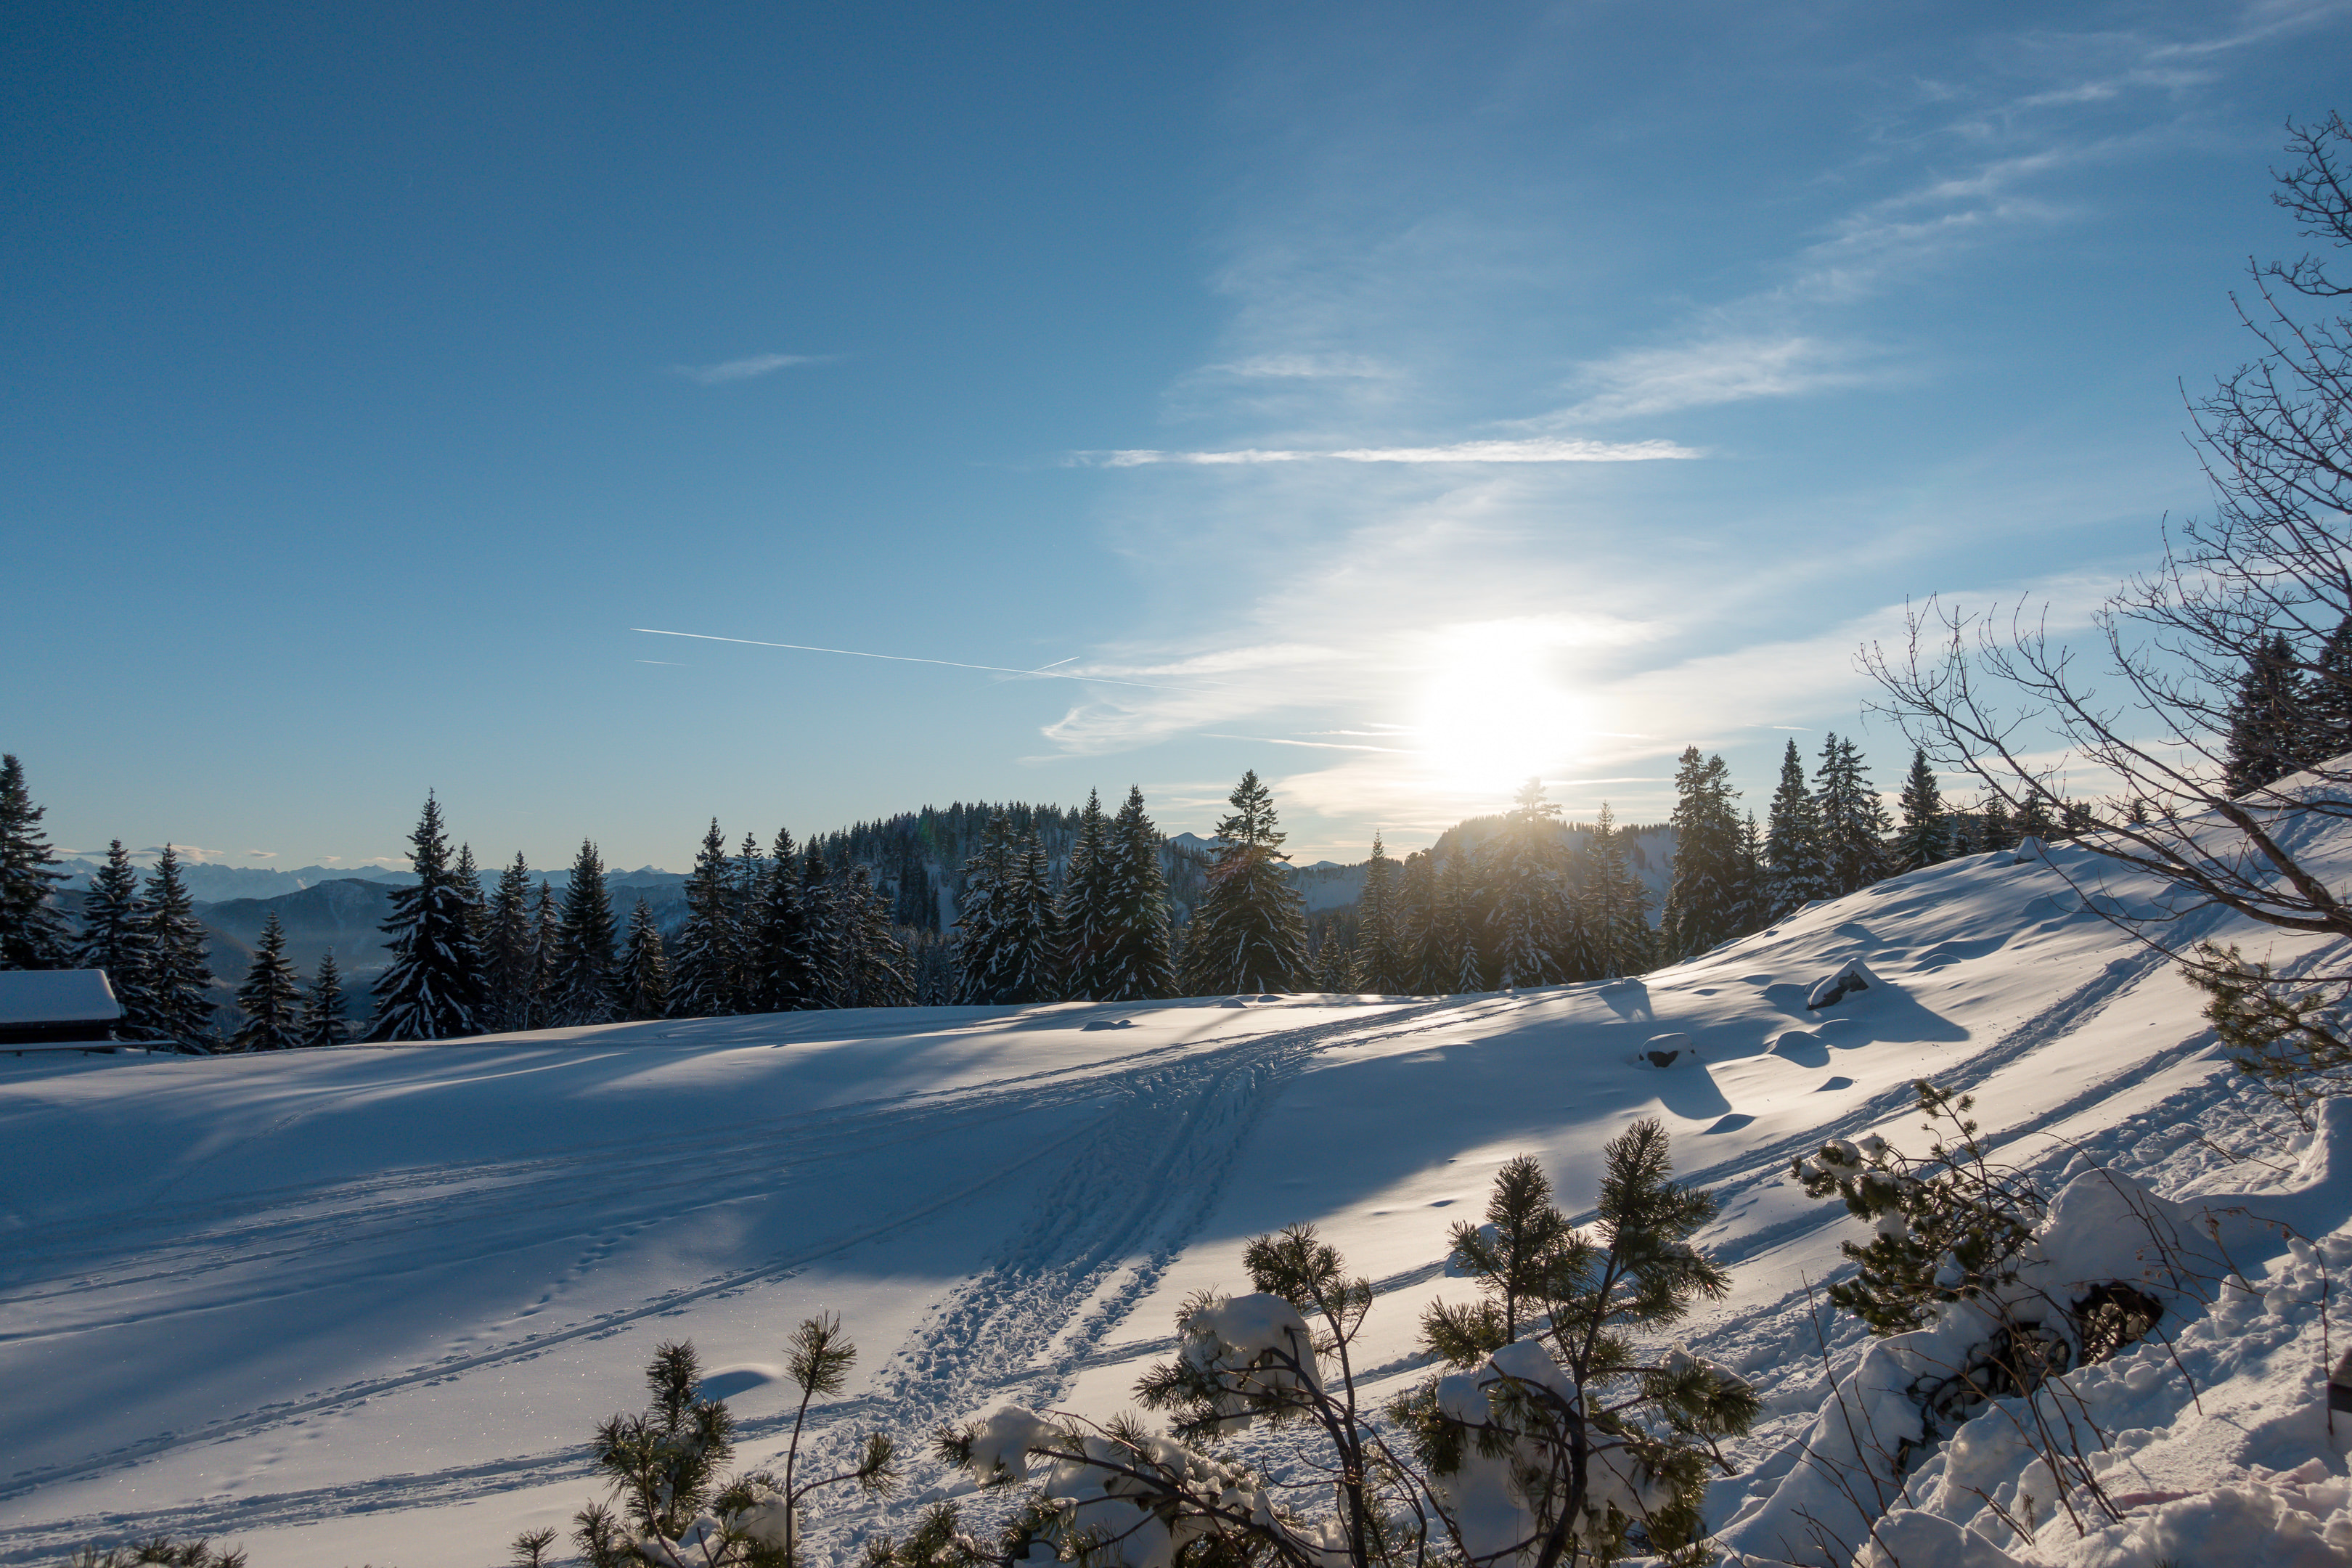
(2000, 697)
(2264, 584)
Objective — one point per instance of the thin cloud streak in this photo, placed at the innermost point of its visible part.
(1702, 375)
(1045, 674)
(743, 369)
(1541, 450)
(1313, 745)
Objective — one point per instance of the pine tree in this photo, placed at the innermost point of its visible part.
(1796, 873)
(1032, 937)
(323, 1022)
(511, 957)
(271, 996)
(179, 977)
(1249, 934)
(774, 963)
(469, 878)
(32, 928)
(1614, 903)
(645, 972)
(1703, 900)
(2268, 721)
(1926, 835)
(1140, 966)
(748, 889)
(1755, 887)
(979, 933)
(1995, 831)
(2326, 707)
(432, 989)
(1853, 821)
(1524, 881)
(877, 971)
(583, 982)
(1458, 967)
(1088, 893)
(1380, 955)
(710, 947)
(116, 935)
(1335, 963)
(823, 927)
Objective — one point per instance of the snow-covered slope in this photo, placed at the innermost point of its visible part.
(366, 1304)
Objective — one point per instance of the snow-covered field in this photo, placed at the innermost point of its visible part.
(365, 1305)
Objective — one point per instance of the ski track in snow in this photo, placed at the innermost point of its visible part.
(1140, 1180)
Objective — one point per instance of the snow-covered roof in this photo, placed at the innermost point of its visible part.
(56, 997)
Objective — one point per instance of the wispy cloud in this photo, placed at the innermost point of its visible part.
(743, 369)
(1304, 368)
(1541, 450)
(1717, 370)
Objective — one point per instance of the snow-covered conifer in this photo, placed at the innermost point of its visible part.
(1416, 920)
(1089, 891)
(511, 956)
(1925, 837)
(1853, 821)
(1140, 962)
(2326, 707)
(747, 888)
(2268, 720)
(1754, 886)
(708, 951)
(433, 988)
(877, 970)
(1795, 870)
(1614, 903)
(1525, 885)
(547, 929)
(469, 878)
(1703, 900)
(979, 923)
(1994, 828)
(116, 935)
(1381, 952)
(271, 996)
(1249, 934)
(32, 928)
(323, 1019)
(1335, 961)
(774, 965)
(179, 976)
(645, 972)
(583, 982)
(823, 931)
(1459, 963)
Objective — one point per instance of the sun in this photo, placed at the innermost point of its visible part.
(1493, 710)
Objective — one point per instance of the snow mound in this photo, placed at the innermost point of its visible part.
(1855, 976)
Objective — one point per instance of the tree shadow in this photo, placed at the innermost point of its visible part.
(1688, 1089)
(1629, 999)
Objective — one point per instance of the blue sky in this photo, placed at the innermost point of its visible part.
(1399, 400)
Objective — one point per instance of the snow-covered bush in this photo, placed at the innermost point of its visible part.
(1564, 1447)
(674, 1510)
(2294, 1038)
(1950, 1225)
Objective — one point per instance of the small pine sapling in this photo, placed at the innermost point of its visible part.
(1951, 1226)
(2292, 1039)
(1608, 1449)
(530, 1547)
(161, 1550)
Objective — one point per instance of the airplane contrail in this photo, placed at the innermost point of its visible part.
(1045, 672)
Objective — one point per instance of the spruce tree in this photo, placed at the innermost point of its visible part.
(511, 957)
(1335, 961)
(823, 931)
(779, 957)
(584, 984)
(1796, 872)
(1755, 887)
(2326, 707)
(645, 972)
(1458, 967)
(271, 996)
(547, 929)
(1416, 921)
(1995, 831)
(2035, 821)
(709, 954)
(116, 935)
(1853, 821)
(1249, 934)
(323, 1022)
(1139, 964)
(986, 877)
(749, 888)
(180, 977)
(1381, 955)
(1524, 882)
(1926, 835)
(1088, 893)
(469, 878)
(877, 971)
(1029, 936)
(32, 928)
(1614, 903)
(2268, 721)
(1703, 900)
(432, 989)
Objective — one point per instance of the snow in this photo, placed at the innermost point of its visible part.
(56, 996)
(367, 1303)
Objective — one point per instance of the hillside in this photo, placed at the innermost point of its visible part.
(365, 1304)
